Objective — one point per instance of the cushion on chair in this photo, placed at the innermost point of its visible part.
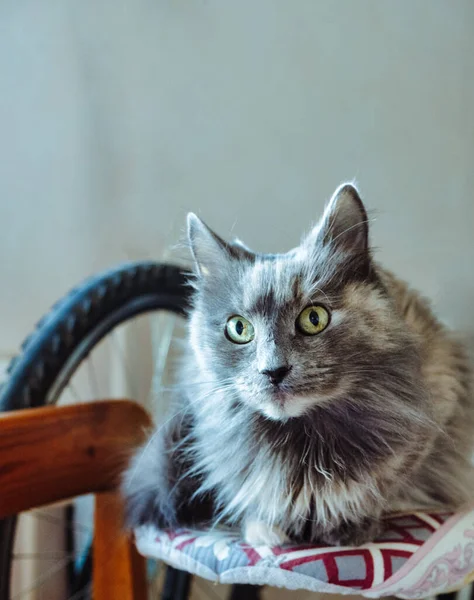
(418, 555)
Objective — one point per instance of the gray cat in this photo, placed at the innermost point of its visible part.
(319, 392)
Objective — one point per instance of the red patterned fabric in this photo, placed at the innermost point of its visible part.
(416, 553)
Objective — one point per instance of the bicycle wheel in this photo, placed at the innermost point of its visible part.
(66, 336)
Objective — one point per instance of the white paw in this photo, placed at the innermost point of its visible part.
(257, 533)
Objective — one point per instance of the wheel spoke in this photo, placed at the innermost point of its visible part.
(119, 353)
(42, 555)
(59, 521)
(72, 388)
(43, 578)
(93, 378)
(79, 594)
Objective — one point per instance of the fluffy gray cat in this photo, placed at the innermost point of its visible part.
(318, 393)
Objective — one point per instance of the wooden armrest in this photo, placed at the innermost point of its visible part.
(54, 453)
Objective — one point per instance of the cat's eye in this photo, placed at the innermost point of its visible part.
(313, 320)
(239, 330)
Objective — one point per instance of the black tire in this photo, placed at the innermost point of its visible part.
(66, 335)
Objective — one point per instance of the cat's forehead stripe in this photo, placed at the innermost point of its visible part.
(270, 284)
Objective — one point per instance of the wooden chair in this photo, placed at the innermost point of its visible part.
(52, 454)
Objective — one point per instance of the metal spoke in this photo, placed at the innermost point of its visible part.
(79, 594)
(42, 555)
(43, 579)
(74, 392)
(58, 521)
(93, 378)
(120, 353)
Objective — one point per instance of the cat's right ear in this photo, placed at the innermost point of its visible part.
(344, 225)
(208, 249)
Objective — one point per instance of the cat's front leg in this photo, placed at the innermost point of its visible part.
(259, 533)
(352, 533)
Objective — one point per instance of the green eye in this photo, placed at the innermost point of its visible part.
(313, 320)
(239, 330)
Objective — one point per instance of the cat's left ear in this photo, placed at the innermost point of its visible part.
(208, 249)
(344, 224)
(211, 253)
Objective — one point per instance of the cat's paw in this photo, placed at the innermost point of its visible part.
(352, 534)
(258, 533)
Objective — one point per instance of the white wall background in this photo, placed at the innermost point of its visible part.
(117, 117)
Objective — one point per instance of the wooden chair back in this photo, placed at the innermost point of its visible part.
(51, 454)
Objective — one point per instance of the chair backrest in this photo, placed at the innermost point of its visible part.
(55, 453)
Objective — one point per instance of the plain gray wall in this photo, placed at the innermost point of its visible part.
(116, 118)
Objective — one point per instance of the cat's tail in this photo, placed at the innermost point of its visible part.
(146, 487)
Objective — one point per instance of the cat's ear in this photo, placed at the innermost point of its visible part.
(208, 249)
(344, 224)
(211, 253)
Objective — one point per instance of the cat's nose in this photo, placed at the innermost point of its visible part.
(277, 375)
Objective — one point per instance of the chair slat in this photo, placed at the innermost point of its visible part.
(52, 453)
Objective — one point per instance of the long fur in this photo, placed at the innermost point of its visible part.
(377, 411)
